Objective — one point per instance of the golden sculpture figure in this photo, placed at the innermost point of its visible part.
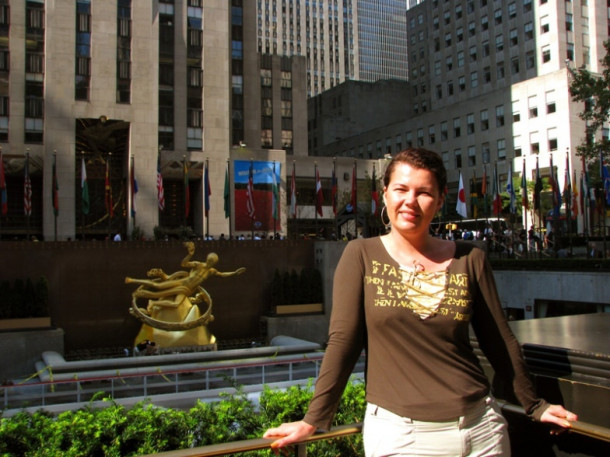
(172, 317)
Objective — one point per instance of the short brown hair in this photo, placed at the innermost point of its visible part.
(419, 158)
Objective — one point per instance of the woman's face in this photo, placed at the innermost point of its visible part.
(412, 198)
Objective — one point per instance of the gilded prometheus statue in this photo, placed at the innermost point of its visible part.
(172, 317)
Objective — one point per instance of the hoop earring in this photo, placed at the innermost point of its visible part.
(387, 224)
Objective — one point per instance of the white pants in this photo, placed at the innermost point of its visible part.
(482, 432)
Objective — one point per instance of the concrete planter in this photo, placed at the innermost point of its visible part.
(25, 324)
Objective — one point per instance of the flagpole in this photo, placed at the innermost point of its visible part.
(315, 195)
(274, 210)
(82, 206)
(228, 185)
(53, 194)
(524, 208)
(568, 196)
(355, 199)
(109, 198)
(604, 197)
(132, 192)
(206, 196)
(28, 211)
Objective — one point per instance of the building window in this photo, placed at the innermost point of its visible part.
(474, 79)
(552, 136)
(513, 37)
(551, 106)
(546, 53)
(487, 75)
(499, 43)
(450, 87)
(500, 116)
(534, 143)
(570, 51)
(457, 154)
(517, 145)
(528, 31)
(444, 134)
(530, 60)
(472, 29)
(457, 130)
(460, 59)
(501, 144)
(500, 70)
(431, 134)
(484, 23)
(449, 63)
(512, 10)
(470, 123)
(123, 77)
(462, 83)
(498, 16)
(544, 24)
(569, 22)
(472, 156)
(473, 53)
(484, 119)
(420, 137)
(485, 153)
(514, 65)
(516, 113)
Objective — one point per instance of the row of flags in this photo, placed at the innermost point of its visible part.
(570, 195)
(574, 198)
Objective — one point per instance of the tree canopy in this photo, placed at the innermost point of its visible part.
(594, 90)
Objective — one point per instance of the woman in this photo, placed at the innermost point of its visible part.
(409, 298)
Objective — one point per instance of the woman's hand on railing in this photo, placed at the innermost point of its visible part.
(289, 433)
(558, 416)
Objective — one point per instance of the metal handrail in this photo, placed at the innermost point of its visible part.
(259, 444)
(216, 450)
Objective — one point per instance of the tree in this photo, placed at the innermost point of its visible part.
(594, 90)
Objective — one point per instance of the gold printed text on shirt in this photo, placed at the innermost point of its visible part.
(424, 290)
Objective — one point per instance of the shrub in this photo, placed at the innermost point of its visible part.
(114, 431)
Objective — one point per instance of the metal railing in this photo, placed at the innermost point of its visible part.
(300, 450)
(157, 381)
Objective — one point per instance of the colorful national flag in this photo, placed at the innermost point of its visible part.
(55, 188)
(293, 193)
(567, 186)
(524, 200)
(497, 199)
(474, 197)
(460, 206)
(108, 191)
(275, 195)
(84, 186)
(605, 175)
(537, 187)
(134, 187)
(27, 188)
(227, 194)
(187, 190)
(583, 193)
(484, 190)
(374, 194)
(575, 198)
(3, 196)
(207, 189)
(160, 190)
(250, 192)
(333, 191)
(555, 190)
(319, 195)
(510, 189)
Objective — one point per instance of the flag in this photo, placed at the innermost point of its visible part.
(275, 194)
(333, 191)
(160, 190)
(575, 198)
(134, 187)
(484, 190)
(207, 190)
(460, 206)
(227, 194)
(474, 197)
(250, 192)
(605, 175)
(27, 188)
(84, 186)
(567, 187)
(3, 197)
(374, 194)
(319, 196)
(187, 191)
(524, 200)
(555, 190)
(293, 193)
(55, 188)
(108, 191)
(537, 187)
(497, 199)
(510, 189)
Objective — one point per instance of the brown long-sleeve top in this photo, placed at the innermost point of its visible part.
(420, 363)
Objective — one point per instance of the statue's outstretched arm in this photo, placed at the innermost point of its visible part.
(225, 274)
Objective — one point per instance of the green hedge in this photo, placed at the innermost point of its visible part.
(116, 431)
